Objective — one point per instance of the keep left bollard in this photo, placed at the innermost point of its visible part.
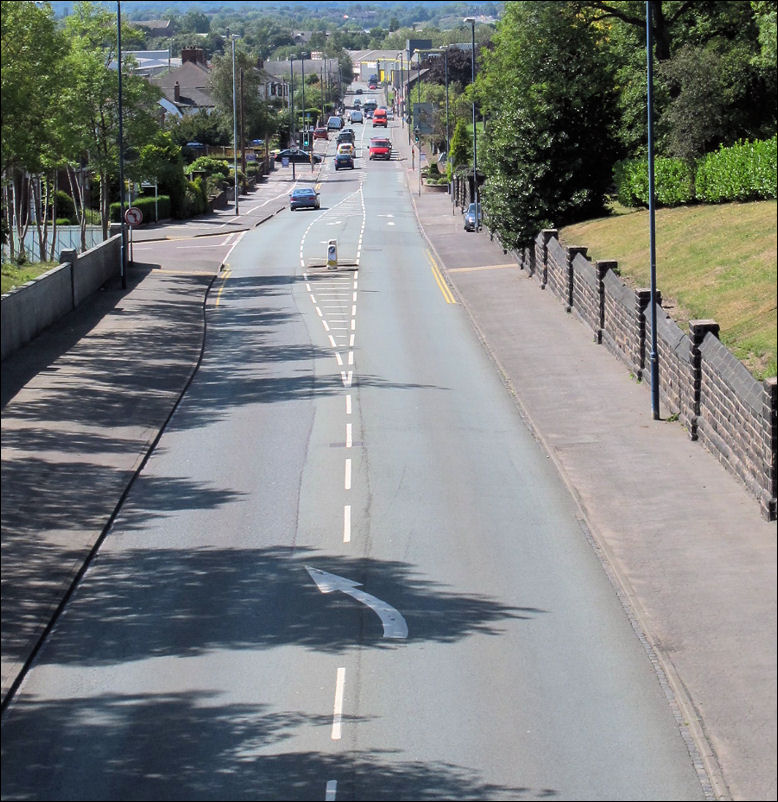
(332, 255)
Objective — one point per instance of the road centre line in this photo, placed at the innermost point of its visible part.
(348, 404)
(337, 708)
(330, 793)
(349, 439)
(347, 523)
(347, 477)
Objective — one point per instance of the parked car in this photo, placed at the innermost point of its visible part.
(297, 156)
(380, 148)
(303, 197)
(346, 147)
(334, 124)
(471, 224)
(344, 161)
(321, 133)
(356, 117)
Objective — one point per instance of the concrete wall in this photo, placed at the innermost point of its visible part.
(27, 310)
(700, 382)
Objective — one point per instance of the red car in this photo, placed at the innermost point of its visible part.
(320, 133)
(372, 86)
(380, 148)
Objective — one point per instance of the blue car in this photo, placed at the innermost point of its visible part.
(304, 197)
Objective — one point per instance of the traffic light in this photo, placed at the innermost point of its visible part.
(416, 134)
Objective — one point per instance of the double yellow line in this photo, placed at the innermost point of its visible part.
(443, 286)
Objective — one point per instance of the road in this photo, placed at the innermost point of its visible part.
(345, 426)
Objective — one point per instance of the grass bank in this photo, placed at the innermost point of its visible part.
(14, 275)
(712, 261)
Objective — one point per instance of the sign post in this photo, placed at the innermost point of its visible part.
(133, 217)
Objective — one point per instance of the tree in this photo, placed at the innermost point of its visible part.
(461, 148)
(92, 99)
(32, 83)
(548, 94)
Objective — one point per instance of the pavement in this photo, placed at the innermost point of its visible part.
(682, 541)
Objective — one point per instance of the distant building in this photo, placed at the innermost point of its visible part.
(187, 87)
(156, 27)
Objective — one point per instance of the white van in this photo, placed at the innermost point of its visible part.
(356, 117)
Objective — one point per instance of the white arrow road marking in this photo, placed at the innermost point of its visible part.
(394, 624)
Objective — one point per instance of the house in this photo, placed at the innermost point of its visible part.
(156, 27)
(187, 87)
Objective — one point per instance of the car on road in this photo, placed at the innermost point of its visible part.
(471, 224)
(346, 147)
(346, 135)
(304, 197)
(356, 117)
(357, 103)
(297, 156)
(359, 92)
(380, 148)
(373, 86)
(321, 133)
(379, 118)
(344, 161)
(334, 124)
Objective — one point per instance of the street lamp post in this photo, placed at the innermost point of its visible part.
(122, 222)
(302, 79)
(233, 37)
(292, 137)
(471, 20)
(445, 62)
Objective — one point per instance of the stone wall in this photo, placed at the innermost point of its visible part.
(29, 309)
(700, 382)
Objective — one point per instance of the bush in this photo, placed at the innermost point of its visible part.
(209, 166)
(65, 206)
(673, 184)
(147, 207)
(743, 172)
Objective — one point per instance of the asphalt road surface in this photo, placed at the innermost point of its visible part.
(347, 571)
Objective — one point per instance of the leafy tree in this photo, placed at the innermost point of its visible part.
(92, 99)
(259, 121)
(461, 148)
(32, 82)
(548, 94)
(459, 68)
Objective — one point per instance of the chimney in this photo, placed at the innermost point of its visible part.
(194, 54)
(177, 92)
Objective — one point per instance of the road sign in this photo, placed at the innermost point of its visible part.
(133, 216)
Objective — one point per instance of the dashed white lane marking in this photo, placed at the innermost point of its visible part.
(331, 791)
(348, 404)
(347, 477)
(337, 708)
(347, 523)
(349, 440)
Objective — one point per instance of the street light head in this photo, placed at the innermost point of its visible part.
(470, 20)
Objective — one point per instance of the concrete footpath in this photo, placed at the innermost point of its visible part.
(683, 542)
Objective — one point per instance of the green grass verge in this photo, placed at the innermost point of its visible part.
(712, 261)
(15, 275)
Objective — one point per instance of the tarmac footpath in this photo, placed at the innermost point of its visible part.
(684, 544)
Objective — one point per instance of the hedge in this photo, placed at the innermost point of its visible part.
(744, 172)
(741, 172)
(148, 207)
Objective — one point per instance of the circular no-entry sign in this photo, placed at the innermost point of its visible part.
(133, 216)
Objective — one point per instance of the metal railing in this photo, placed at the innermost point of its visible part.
(68, 238)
